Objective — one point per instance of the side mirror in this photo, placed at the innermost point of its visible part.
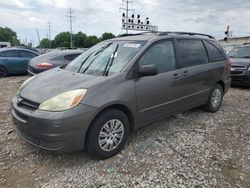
(148, 70)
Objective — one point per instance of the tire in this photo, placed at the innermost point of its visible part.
(102, 145)
(3, 72)
(215, 99)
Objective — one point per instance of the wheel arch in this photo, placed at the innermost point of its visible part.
(121, 107)
(222, 85)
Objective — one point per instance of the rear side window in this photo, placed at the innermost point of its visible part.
(161, 55)
(70, 57)
(213, 52)
(26, 54)
(192, 52)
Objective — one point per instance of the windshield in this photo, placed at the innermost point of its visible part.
(105, 58)
(240, 52)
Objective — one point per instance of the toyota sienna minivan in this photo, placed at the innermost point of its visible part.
(118, 86)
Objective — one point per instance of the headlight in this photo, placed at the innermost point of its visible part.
(64, 101)
(25, 83)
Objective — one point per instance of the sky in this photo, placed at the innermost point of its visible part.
(95, 17)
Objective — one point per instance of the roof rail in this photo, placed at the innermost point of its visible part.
(135, 34)
(183, 33)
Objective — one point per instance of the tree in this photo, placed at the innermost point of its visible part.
(106, 36)
(8, 35)
(62, 40)
(91, 41)
(80, 40)
(45, 43)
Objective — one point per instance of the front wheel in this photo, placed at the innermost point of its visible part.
(108, 134)
(215, 99)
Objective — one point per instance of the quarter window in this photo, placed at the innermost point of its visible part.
(213, 53)
(161, 55)
(192, 52)
(26, 54)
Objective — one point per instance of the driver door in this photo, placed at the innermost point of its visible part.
(157, 95)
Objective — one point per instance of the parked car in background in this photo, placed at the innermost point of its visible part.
(240, 69)
(15, 60)
(118, 86)
(52, 59)
(28, 48)
(228, 48)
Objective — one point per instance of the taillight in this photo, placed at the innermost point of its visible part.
(229, 62)
(228, 65)
(44, 65)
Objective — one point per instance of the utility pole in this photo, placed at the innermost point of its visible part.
(71, 16)
(38, 38)
(49, 27)
(127, 2)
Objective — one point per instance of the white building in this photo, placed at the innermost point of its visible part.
(5, 44)
(236, 41)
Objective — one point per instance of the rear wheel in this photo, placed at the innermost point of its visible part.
(215, 99)
(3, 72)
(108, 134)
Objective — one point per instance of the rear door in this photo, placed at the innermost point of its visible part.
(25, 57)
(158, 95)
(196, 77)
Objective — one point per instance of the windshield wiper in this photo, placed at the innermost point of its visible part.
(246, 57)
(103, 48)
(110, 61)
(96, 54)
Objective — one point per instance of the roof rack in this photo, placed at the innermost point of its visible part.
(183, 33)
(163, 33)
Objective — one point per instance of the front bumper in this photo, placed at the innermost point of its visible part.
(242, 80)
(55, 131)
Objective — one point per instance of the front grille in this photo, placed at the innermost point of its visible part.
(41, 143)
(238, 70)
(21, 115)
(27, 104)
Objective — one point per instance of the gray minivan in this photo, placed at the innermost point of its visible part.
(118, 86)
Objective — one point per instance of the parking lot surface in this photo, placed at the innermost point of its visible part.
(191, 149)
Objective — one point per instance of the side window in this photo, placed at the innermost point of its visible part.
(70, 57)
(161, 55)
(26, 54)
(213, 53)
(11, 53)
(192, 52)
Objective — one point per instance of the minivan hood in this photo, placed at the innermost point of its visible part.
(240, 61)
(57, 81)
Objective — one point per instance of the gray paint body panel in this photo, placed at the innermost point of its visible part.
(147, 98)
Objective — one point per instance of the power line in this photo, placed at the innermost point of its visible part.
(71, 16)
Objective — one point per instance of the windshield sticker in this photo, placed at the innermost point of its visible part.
(131, 45)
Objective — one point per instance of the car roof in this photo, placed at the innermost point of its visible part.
(146, 36)
(19, 49)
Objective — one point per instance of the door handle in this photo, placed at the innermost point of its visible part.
(185, 73)
(176, 76)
